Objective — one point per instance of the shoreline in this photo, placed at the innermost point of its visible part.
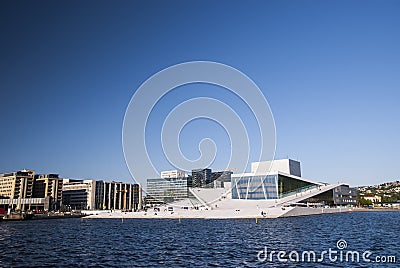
(376, 210)
(221, 214)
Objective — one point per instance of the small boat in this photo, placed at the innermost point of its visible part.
(17, 216)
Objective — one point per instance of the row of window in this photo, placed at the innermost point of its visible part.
(255, 187)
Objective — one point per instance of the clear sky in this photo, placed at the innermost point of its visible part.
(330, 71)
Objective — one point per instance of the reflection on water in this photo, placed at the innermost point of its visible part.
(192, 242)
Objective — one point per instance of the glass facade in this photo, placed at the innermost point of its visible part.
(288, 185)
(255, 187)
(340, 196)
(166, 190)
(75, 199)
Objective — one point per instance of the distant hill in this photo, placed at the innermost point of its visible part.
(389, 191)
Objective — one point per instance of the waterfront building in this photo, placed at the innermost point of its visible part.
(270, 180)
(201, 177)
(205, 178)
(118, 195)
(19, 191)
(272, 185)
(265, 191)
(26, 190)
(79, 194)
(220, 178)
(373, 198)
(277, 180)
(173, 174)
(49, 185)
(166, 190)
(250, 186)
(342, 195)
(17, 184)
(92, 194)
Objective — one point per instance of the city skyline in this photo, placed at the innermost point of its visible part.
(329, 71)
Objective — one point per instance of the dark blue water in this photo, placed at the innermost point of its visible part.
(195, 242)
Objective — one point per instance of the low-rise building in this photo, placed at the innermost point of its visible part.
(118, 195)
(92, 194)
(345, 195)
(79, 194)
(173, 174)
(375, 199)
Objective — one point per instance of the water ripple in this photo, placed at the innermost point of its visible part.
(193, 242)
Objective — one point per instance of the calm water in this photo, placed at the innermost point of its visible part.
(194, 242)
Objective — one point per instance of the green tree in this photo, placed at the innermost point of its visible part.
(364, 202)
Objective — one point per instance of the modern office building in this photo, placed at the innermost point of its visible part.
(173, 174)
(339, 196)
(161, 190)
(79, 194)
(49, 185)
(17, 188)
(92, 194)
(220, 178)
(201, 177)
(344, 195)
(205, 178)
(118, 195)
(24, 190)
(17, 184)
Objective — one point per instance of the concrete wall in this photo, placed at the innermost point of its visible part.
(288, 166)
(305, 211)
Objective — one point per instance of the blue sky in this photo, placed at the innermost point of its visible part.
(329, 70)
